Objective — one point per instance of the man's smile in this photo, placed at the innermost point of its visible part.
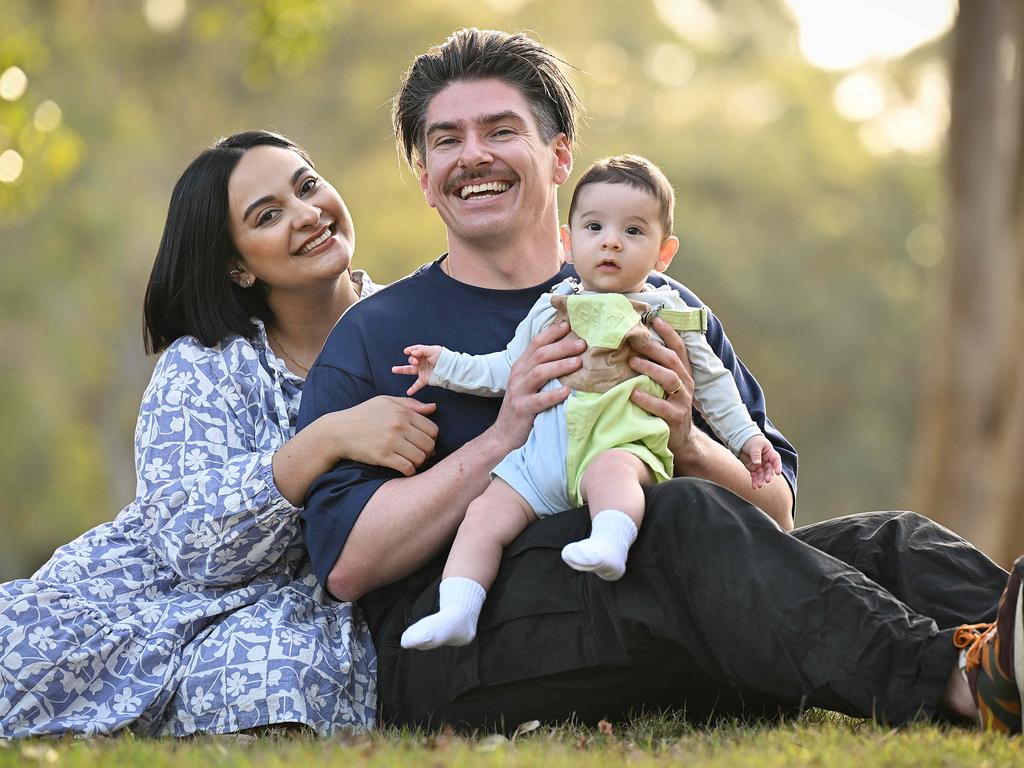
(487, 189)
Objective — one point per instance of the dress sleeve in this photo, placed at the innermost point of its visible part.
(487, 375)
(206, 492)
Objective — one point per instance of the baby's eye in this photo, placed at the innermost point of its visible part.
(593, 226)
(634, 231)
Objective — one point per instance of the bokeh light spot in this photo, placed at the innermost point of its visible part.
(669, 64)
(926, 245)
(10, 166)
(859, 97)
(164, 15)
(13, 83)
(47, 116)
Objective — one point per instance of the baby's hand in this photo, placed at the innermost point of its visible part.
(761, 460)
(422, 361)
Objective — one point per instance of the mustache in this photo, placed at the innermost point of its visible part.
(469, 177)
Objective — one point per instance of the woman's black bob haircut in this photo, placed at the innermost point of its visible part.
(189, 291)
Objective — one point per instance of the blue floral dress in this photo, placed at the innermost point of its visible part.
(195, 610)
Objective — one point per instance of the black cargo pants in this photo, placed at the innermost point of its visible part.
(720, 613)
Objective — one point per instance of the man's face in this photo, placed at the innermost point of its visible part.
(486, 169)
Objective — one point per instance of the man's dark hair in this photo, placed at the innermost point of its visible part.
(478, 54)
(189, 291)
(639, 173)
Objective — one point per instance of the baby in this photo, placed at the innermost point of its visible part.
(598, 447)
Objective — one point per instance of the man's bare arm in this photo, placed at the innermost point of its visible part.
(695, 453)
(410, 519)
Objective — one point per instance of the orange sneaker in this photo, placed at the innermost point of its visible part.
(994, 656)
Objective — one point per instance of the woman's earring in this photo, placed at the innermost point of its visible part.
(244, 282)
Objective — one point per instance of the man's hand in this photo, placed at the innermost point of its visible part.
(695, 453)
(669, 367)
(422, 362)
(551, 353)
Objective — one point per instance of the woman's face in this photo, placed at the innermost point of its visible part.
(290, 227)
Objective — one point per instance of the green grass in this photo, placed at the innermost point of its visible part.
(816, 739)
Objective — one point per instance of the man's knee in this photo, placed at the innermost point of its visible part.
(693, 510)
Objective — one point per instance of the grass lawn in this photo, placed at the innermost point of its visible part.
(816, 739)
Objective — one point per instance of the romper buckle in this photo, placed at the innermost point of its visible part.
(648, 317)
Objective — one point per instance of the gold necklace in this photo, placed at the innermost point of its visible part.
(273, 336)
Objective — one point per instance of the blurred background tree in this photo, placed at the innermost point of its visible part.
(807, 166)
(971, 425)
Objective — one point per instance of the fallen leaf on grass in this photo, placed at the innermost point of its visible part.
(605, 727)
(529, 725)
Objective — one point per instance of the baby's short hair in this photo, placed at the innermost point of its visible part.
(637, 172)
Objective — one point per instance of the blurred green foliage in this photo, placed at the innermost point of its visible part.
(792, 231)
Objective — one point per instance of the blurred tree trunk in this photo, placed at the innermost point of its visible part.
(969, 462)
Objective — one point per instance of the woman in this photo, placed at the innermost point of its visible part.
(195, 609)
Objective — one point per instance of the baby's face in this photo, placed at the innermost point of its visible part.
(615, 237)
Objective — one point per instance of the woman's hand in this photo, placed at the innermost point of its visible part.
(385, 431)
(669, 367)
(550, 354)
(422, 362)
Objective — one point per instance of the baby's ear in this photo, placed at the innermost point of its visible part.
(566, 242)
(667, 252)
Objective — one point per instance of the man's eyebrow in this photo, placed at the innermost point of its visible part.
(499, 117)
(458, 125)
(267, 198)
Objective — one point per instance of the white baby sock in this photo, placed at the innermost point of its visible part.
(612, 533)
(460, 600)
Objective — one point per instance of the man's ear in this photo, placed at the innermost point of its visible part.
(424, 186)
(563, 159)
(667, 252)
(566, 242)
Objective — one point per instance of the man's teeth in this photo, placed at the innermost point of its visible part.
(490, 186)
(314, 243)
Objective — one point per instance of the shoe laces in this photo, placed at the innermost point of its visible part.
(973, 637)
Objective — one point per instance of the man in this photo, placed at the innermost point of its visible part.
(721, 610)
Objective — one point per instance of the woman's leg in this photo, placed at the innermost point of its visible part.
(492, 521)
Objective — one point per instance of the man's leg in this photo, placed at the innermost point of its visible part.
(928, 567)
(712, 585)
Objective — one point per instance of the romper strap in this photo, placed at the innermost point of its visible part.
(695, 319)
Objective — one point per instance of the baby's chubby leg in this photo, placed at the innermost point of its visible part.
(612, 486)
(492, 521)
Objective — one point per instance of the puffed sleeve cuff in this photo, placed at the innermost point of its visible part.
(277, 502)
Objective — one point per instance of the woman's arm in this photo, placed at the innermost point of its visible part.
(213, 487)
(386, 431)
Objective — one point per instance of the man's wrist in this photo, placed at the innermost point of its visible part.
(493, 443)
(692, 458)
